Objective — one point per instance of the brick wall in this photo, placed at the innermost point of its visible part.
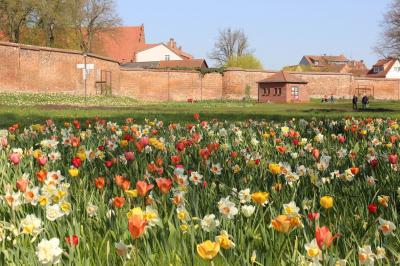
(160, 85)
(28, 68)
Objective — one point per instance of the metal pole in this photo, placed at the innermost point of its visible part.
(86, 76)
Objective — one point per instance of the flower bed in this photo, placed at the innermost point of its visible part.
(209, 192)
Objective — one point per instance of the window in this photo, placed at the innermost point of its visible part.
(167, 57)
(278, 91)
(266, 92)
(316, 63)
(295, 93)
(397, 69)
(378, 69)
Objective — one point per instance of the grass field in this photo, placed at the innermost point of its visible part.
(31, 108)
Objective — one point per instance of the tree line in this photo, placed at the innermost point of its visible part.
(56, 23)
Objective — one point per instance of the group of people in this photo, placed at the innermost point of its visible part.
(325, 99)
(364, 101)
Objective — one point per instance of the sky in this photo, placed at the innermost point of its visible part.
(280, 31)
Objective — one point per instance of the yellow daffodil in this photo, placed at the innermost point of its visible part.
(208, 249)
(260, 197)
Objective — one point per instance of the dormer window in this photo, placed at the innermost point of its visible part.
(378, 69)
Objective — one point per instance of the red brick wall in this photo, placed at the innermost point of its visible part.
(38, 69)
(28, 68)
(160, 85)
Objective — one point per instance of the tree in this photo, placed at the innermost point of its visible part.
(389, 44)
(14, 15)
(90, 17)
(245, 61)
(51, 17)
(230, 43)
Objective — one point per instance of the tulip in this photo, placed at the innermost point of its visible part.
(326, 202)
(15, 158)
(208, 249)
(108, 163)
(196, 117)
(100, 182)
(313, 216)
(72, 240)
(143, 187)
(41, 175)
(76, 162)
(129, 155)
(393, 158)
(315, 154)
(274, 168)
(372, 208)
(136, 226)
(144, 141)
(324, 237)
(119, 202)
(373, 163)
(164, 184)
(175, 159)
(260, 197)
(22, 184)
(73, 172)
(281, 223)
(42, 160)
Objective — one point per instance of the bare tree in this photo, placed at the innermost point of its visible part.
(389, 44)
(51, 15)
(90, 17)
(230, 43)
(14, 15)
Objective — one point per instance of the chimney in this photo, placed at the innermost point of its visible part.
(172, 43)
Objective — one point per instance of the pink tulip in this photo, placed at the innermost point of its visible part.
(42, 160)
(15, 158)
(144, 141)
(129, 155)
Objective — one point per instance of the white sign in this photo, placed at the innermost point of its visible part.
(82, 66)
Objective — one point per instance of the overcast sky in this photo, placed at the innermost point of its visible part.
(280, 32)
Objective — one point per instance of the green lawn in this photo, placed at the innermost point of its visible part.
(31, 108)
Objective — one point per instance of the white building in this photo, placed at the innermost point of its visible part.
(385, 68)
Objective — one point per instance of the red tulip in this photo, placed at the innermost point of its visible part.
(393, 158)
(315, 153)
(373, 163)
(164, 184)
(234, 154)
(372, 208)
(100, 182)
(129, 155)
(180, 146)
(175, 159)
(144, 141)
(196, 117)
(324, 237)
(72, 240)
(295, 142)
(108, 163)
(76, 162)
(341, 138)
(313, 216)
(119, 202)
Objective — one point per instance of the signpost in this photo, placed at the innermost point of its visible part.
(86, 69)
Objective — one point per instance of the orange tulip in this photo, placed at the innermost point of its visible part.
(136, 226)
(143, 187)
(99, 182)
(355, 170)
(22, 184)
(315, 153)
(324, 237)
(119, 179)
(119, 202)
(164, 184)
(282, 223)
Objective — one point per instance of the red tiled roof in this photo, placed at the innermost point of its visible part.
(186, 63)
(283, 77)
(181, 53)
(120, 43)
(387, 65)
(326, 58)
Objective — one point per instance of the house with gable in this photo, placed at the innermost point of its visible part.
(385, 68)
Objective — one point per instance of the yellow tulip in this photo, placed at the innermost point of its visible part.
(326, 202)
(208, 249)
(73, 172)
(282, 223)
(224, 241)
(132, 193)
(123, 143)
(260, 197)
(135, 212)
(274, 168)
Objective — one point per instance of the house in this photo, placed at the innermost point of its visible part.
(385, 68)
(161, 52)
(334, 64)
(128, 44)
(323, 60)
(170, 64)
(283, 87)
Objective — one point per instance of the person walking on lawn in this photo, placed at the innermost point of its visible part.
(364, 101)
(355, 101)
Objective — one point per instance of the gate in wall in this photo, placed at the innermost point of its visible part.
(104, 83)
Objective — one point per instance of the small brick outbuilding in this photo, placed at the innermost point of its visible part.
(283, 87)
